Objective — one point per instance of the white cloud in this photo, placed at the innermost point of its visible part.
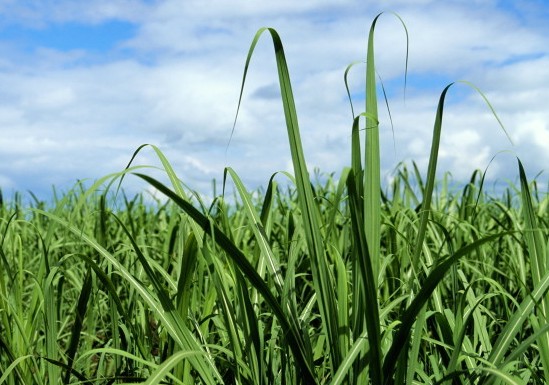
(178, 85)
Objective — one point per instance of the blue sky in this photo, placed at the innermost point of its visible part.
(83, 84)
(93, 38)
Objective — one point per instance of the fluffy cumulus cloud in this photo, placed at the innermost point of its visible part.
(169, 72)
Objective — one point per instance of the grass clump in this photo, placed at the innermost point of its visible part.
(330, 282)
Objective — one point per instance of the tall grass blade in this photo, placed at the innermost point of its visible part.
(372, 162)
(78, 322)
(371, 316)
(431, 169)
(258, 230)
(537, 251)
(51, 323)
(322, 278)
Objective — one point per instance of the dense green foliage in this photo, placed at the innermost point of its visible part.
(84, 287)
(330, 282)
